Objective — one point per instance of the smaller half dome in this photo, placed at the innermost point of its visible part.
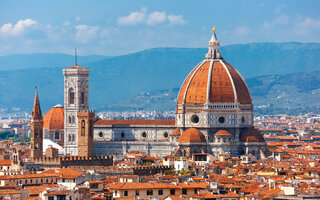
(192, 135)
(175, 132)
(223, 132)
(251, 135)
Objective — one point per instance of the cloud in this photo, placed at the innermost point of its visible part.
(77, 19)
(85, 33)
(66, 23)
(176, 19)
(282, 19)
(278, 8)
(18, 28)
(310, 23)
(154, 18)
(242, 30)
(132, 19)
(307, 25)
(267, 26)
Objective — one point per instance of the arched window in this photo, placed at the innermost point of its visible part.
(71, 96)
(73, 120)
(69, 119)
(73, 137)
(83, 127)
(36, 134)
(69, 138)
(82, 97)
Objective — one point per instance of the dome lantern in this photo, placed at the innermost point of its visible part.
(214, 47)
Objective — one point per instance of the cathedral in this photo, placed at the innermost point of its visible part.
(214, 115)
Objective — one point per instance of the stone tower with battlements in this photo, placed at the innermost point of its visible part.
(76, 98)
(85, 133)
(36, 126)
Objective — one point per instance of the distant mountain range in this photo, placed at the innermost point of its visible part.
(39, 60)
(114, 80)
(292, 94)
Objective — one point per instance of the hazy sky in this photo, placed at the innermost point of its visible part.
(120, 27)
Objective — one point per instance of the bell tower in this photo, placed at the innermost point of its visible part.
(36, 126)
(76, 98)
(85, 133)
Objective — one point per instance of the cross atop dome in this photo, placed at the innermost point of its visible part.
(214, 47)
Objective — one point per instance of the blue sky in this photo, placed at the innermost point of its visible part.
(119, 27)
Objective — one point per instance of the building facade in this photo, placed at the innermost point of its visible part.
(214, 115)
(117, 137)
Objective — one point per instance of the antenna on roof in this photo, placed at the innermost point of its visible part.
(75, 55)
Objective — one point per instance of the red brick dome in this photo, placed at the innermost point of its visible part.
(251, 135)
(192, 135)
(54, 118)
(214, 82)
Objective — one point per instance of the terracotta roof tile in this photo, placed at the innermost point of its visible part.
(192, 135)
(175, 132)
(36, 190)
(223, 78)
(57, 192)
(5, 162)
(197, 90)
(251, 135)
(222, 132)
(76, 67)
